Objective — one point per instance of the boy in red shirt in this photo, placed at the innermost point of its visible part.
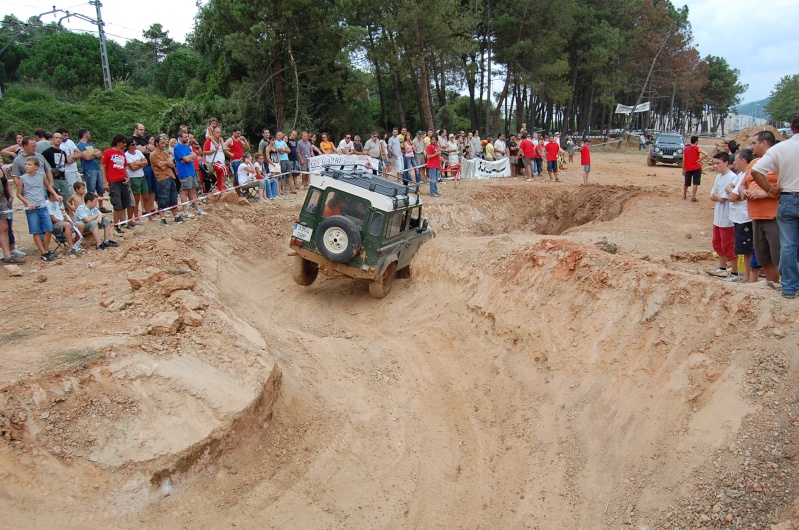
(692, 167)
(553, 150)
(116, 180)
(585, 159)
(527, 152)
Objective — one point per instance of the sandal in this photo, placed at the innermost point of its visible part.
(13, 261)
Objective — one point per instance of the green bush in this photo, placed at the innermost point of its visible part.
(104, 112)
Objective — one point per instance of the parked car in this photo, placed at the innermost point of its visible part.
(668, 148)
(786, 132)
(358, 224)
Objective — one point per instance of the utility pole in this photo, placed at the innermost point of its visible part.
(99, 23)
(103, 51)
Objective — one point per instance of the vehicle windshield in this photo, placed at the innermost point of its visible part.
(669, 139)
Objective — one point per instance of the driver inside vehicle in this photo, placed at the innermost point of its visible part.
(341, 204)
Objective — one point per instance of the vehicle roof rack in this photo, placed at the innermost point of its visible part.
(370, 179)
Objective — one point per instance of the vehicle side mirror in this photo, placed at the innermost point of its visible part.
(425, 224)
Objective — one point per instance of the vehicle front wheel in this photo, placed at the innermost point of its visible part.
(381, 286)
(304, 271)
(650, 162)
(404, 273)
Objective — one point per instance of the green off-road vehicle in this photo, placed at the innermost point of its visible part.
(356, 223)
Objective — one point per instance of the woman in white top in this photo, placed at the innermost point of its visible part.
(138, 184)
(247, 177)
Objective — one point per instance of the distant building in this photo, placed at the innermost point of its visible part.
(736, 122)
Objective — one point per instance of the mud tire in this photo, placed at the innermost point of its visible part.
(338, 239)
(381, 286)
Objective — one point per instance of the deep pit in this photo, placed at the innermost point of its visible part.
(517, 380)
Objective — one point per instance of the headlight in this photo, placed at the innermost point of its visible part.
(679, 151)
(657, 149)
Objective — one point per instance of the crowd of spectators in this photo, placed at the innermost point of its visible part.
(756, 212)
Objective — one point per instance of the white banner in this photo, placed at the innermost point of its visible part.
(315, 163)
(483, 169)
(624, 109)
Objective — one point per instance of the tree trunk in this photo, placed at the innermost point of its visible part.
(423, 76)
(379, 77)
(418, 94)
(280, 98)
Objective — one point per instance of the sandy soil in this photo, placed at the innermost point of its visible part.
(523, 378)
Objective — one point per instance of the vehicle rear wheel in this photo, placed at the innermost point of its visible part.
(381, 286)
(304, 271)
(650, 162)
(338, 239)
(404, 273)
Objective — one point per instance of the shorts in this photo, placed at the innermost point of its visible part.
(743, 238)
(587, 168)
(552, 166)
(4, 206)
(167, 193)
(528, 162)
(152, 181)
(724, 241)
(58, 228)
(91, 226)
(695, 176)
(285, 167)
(39, 221)
(138, 185)
(766, 241)
(121, 198)
(188, 183)
(419, 158)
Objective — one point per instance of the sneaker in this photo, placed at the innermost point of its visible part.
(733, 277)
(18, 253)
(201, 212)
(188, 215)
(109, 243)
(13, 260)
(693, 199)
(721, 273)
(119, 232)
(163, 222)
(78, 250)
(789, 296)
(101, 246)
(179, 219)
(48, 256)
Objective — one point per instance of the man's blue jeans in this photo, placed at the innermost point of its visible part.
(433, 180)
(788, 221)
(94, 181)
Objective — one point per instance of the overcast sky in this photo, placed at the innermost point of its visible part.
(759, 39)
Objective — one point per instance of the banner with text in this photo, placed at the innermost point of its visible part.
(316, 163)
(484, 169)
(625, 109)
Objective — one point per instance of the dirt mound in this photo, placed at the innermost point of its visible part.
(520, 378)
(744, 137)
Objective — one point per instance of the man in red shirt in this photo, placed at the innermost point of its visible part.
(433, 165)
(116, 180)
(527, 152)
(692, 167)
(585, 159)
(236, 144)
(553, 150)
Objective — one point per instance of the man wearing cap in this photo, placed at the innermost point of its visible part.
(395, 148)
(452, 150)
(418, 154)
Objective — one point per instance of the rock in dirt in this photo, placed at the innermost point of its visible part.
(190, 318)
(41, 278)
(229, 196)
(122, 303)
(181, 282)
(165, 323)
(13, 270)
(610, 248)
(148, 276)
(187, 300)
(106, 303)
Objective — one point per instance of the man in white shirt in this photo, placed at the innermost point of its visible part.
(73, 154)
(783, 159)
(396, 150)
(500, 148)
(345, 146)
(723, 227)
(477, 145)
